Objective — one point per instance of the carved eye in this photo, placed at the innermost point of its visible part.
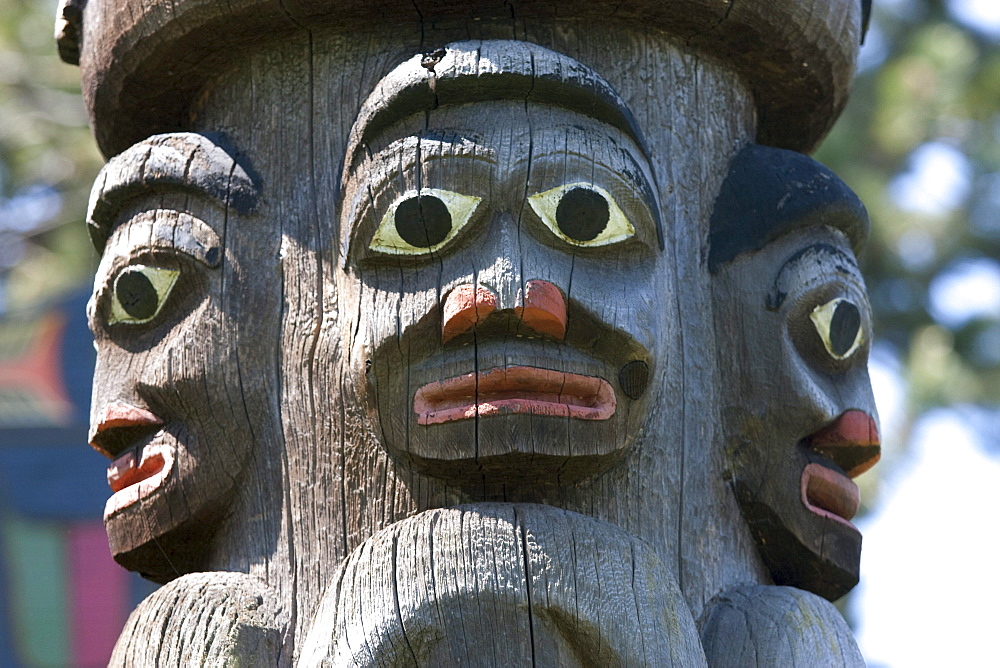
(140, 292)
(582, 214)
(838, 323)
(423, 221)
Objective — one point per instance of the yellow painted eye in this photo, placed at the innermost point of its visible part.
(422, 221)
(140, 292)
(582, 214)
(838, 323)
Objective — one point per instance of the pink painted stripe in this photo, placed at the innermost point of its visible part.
(98, 595)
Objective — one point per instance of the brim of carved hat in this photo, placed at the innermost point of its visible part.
(143, 62)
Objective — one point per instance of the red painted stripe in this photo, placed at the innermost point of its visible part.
(98, 595)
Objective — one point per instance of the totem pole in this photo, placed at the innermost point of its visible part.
(484, 333)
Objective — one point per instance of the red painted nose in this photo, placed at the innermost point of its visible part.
(540, 305)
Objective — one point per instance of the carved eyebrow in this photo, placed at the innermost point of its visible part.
(769, 192)
(474, 71)
(845, 264)
(182, 161)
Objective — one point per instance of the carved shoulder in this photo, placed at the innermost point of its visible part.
(764, 625)
(199, 619)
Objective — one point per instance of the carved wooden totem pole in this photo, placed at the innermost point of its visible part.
(478, 333)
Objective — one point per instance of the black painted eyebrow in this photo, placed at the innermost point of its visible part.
(183, 161)
(769, 192)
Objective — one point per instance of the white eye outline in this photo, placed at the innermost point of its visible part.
(387, 240)
(822, 318)
(162, 280)
(618, 228)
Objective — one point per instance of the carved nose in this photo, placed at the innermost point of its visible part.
(540, 305)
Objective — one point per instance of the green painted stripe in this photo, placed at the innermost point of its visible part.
(35, 553)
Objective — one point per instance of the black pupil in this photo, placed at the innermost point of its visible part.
(582, 214)
(423, 221)
(844, 327)
(136, 294)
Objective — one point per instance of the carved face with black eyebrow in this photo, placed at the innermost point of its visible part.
(179, 396)
(794, 330)
(503, 258)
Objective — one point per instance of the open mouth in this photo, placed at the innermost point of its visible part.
(511, 390)
(132, 478)
(137, 469)
(829, 493)
(852, 443)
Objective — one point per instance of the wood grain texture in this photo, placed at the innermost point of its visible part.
(502, 584)
(149, 61)
(206, 619)
(755, 625)
(285, 369)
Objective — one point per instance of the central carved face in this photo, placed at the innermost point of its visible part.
(503, 267)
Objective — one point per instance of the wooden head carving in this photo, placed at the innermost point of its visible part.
(485, 219)
(458, 316)
(794, 330)
(183, 390)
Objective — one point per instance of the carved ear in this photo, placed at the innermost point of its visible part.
(770, 192)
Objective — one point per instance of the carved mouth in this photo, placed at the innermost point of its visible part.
(511, 390)
(132, 480)
(137, 469)
(829, 493)
(851, 441)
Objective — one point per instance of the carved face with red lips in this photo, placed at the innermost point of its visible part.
(794, 330)
(171, 326)
(503, 263)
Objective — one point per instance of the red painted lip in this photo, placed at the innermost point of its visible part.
(851, 441)
(511, 390)
(119, 418)
(134, 473)
(830, 494)
(132, 480)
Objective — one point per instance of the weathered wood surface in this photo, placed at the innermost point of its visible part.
(148, 62)
(345, 322)
(205, 619)
(797, 408)
(503, 584)
(760, 625)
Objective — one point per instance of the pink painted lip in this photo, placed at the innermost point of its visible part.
(515, 389)
(132, 480)
(134, 473)
(830, 494)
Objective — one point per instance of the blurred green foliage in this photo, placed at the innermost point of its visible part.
(48, 160)
(928, 81)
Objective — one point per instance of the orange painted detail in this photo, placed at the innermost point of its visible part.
(853, 429)
(464, 307)
(126, 471)
(829, 493)
(132, 481)
(517, 389)
(543, 308)
(120, 416)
